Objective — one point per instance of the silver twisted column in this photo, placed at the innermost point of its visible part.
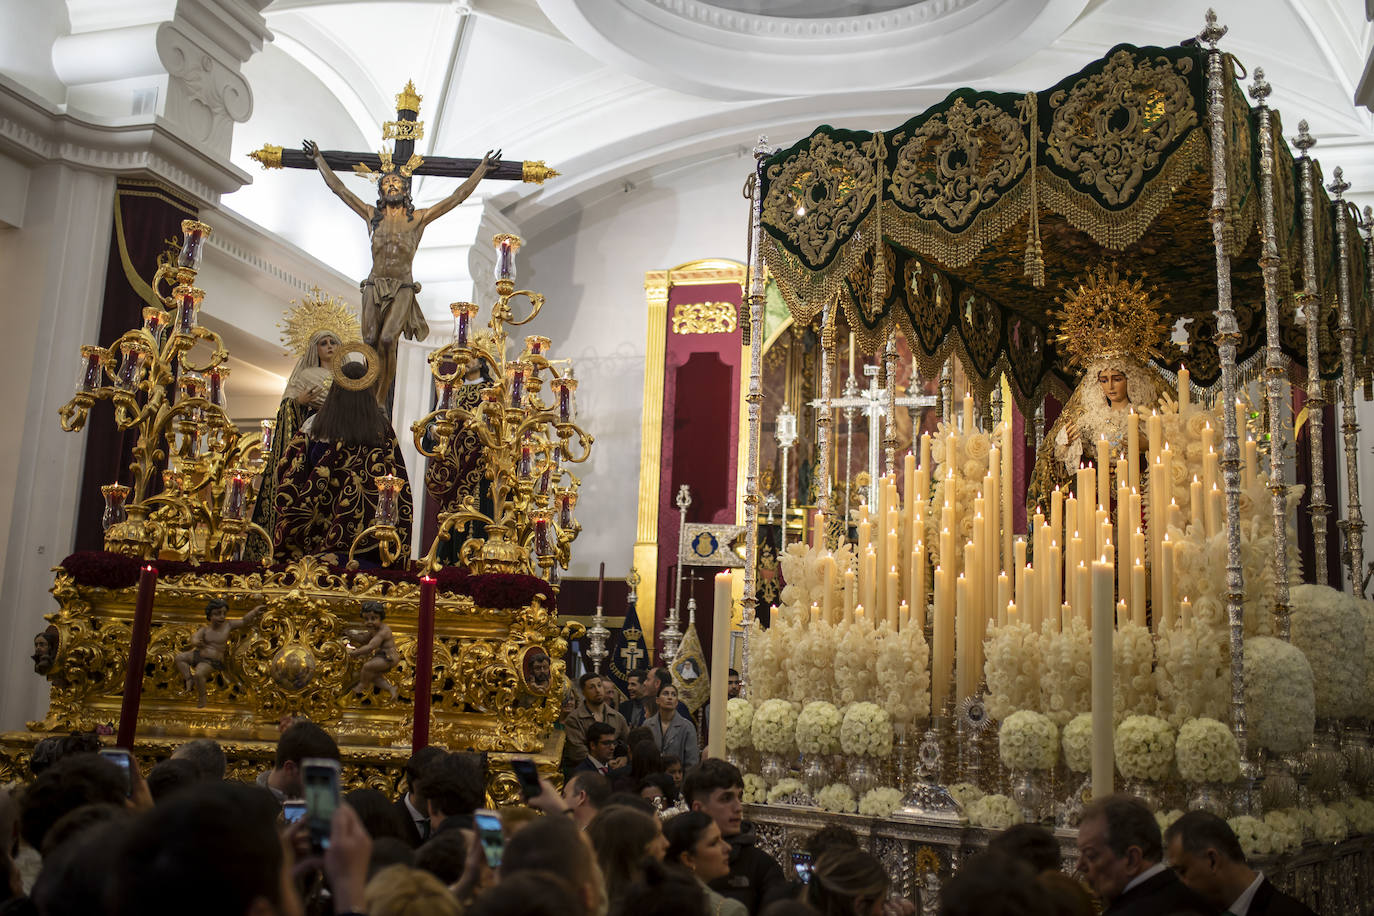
(1310, 302)
(1228, 335)
(754, 400)
(1350, 427)
(1273, 366)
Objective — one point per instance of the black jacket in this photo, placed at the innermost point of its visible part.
(1270, 901)
(755, 879)
(412, 835)
(1162, 895)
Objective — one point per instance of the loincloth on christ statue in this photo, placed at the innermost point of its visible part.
(385, 297)
(457, 474)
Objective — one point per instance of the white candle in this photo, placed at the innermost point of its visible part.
(720, 663)
(1102, 630)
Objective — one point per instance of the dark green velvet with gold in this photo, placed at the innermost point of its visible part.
(962, 225)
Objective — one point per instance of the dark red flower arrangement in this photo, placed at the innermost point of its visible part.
(99, 569)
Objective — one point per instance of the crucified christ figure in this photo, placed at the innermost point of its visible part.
(389, 305)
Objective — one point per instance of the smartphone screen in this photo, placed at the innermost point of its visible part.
(321, 779)
(293, 810)
(124, 760)
(489, 834)
(528, 773)
(801, 862)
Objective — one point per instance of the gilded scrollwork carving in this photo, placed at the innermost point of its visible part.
(819, 196)
(959, 162)
(1114, 126)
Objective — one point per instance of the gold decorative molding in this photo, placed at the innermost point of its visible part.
(704, 318)
(657, 284)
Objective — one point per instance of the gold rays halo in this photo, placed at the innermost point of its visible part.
(315, 312)
(1110, 316)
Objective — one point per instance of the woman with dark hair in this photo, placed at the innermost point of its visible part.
(658, 787)
(847, 882)
(624, 839)
(674, 732)
(695, 843)
(326, 481)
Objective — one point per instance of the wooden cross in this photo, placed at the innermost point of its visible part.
(405, 130)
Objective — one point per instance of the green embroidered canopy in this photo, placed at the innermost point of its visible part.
(962, 225)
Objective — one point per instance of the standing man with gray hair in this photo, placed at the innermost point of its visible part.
(1120, 853)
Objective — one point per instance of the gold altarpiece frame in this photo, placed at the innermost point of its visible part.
(657, 286)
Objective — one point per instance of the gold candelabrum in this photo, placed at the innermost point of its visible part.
(526, 442)
(163, 386)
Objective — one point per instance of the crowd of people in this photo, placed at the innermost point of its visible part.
(84, 836)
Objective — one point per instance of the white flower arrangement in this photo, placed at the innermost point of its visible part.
(1206, 751)
(739, 722)
(965, 793)
(880, 802)
(1367, 614)
(1012, 669)
(1144, 747)
(1078, 743)
(852, 659)
(774, 726)
(866, 730)
(1287, 831)
(1193, 674)
(1306, 821)
(1358, 814)
(1165, 819)
(1028, 740)
(818, 728)
(755, 789)
(903, 675)
(784, 788)
(1280, 698)
(1256, 836)
(1329, 629)
(768, 651)
(1133, 667)
(1328, 825)
(1066, 672)
(810, 664)
(837, 797)
(993, 812)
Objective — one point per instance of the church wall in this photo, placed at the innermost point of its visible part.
(591, 266)
(55, 270)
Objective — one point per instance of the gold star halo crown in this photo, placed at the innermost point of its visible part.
(1109, 316)
(317, 312)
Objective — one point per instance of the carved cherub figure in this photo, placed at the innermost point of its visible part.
(379, 651)
(208, 645)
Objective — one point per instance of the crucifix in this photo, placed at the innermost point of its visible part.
(871, 402)
(389, 307)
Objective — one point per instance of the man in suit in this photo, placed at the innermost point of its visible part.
(1120, 853)
(412, 806)
(585, 794)
(1205, 854)
(600, 745)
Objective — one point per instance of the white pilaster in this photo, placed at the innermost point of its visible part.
(55, 266)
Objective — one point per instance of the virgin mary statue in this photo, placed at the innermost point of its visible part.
(1109, 328)
(314, 330)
